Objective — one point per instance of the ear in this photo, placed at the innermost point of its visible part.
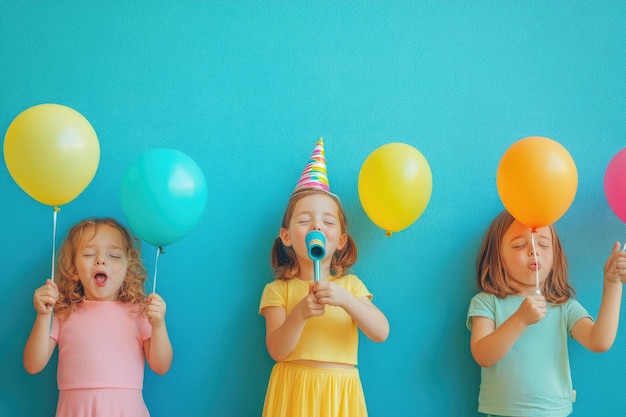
(284, 237)
(342, 241)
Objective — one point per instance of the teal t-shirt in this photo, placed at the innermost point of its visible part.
(533, 378)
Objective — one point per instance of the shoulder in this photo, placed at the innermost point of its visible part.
(483, 302)
(131, 311)
(484, 297)
(347, 281)
(353, 284)
(276, 288)
(573, 308)
(277, 284)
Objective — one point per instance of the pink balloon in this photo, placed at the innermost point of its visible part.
(615, 184)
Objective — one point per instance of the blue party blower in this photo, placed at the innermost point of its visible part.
(316, 245)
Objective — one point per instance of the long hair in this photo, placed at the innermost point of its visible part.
(283, 258)
(71, 291)
(491, 275)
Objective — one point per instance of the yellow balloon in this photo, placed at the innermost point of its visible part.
(52, 153)
(395, 185)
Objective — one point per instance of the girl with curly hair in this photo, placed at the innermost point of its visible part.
(103, 323)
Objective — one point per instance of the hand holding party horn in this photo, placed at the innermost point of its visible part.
(316, 246)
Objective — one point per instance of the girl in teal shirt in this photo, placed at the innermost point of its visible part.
(523, 315)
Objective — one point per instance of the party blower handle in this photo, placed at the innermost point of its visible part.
(316, 245)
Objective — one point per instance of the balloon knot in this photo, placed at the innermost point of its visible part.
(56, 209)
(533, 230)
(388, 233)
(161, 250)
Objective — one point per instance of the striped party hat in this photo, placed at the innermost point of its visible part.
(314, 174)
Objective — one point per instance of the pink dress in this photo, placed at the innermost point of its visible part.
(101, 361)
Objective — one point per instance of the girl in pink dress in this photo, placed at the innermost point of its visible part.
(103, 324)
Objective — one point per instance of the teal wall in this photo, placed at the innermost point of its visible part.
(245, 89)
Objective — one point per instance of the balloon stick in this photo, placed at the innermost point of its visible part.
(54, 246)
(160, 250)
(532, 239)
(54, 239)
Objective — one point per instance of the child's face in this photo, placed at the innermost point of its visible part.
(518, 258)
(101, 263)
(314, 212)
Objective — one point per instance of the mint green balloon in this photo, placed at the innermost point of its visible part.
(163, 196)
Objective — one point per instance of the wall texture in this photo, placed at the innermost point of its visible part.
(245, 89)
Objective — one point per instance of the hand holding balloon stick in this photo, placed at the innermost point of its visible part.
(316, 246)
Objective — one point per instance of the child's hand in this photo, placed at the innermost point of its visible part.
(615, 266)
(330, 293)
(532, 309)
(309, 306)
(155, 310)
(45, 297)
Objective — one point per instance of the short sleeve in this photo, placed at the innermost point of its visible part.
(358, 288)
(480, 305)
(145, 330)
(273, 295)
(574, 312)
(56, 328)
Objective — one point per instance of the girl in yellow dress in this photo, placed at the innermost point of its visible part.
(312, 327)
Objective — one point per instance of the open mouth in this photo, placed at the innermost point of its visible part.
(101, 279)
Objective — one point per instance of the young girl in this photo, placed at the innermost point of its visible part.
(103, 324)
(519, 332)
(311, 328)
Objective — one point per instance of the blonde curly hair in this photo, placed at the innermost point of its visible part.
(71, 291)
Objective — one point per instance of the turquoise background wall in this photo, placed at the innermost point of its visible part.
(246, 88)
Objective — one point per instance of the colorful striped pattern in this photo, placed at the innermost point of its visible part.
(314, 174)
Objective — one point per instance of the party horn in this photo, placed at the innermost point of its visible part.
(316, 246)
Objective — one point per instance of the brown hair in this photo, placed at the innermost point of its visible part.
(71, 291)
(491, 275)
(283, 258)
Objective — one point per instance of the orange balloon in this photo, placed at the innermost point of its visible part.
(537, 181)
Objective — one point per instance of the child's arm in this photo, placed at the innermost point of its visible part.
(158, 349)
(282, 331)
(489, 345)
(40, 345)
(367, 316)
(599, 336)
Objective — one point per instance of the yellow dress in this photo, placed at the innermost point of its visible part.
(305, 391)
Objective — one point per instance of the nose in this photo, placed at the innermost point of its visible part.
(100, 260)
